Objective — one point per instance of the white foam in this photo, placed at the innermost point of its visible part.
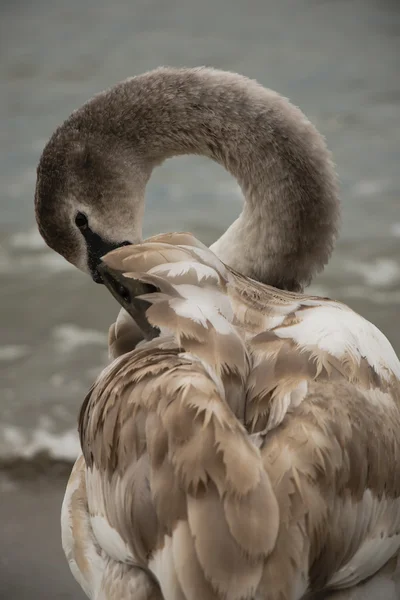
(15, 442)
(49, 261)
(31, 253)
(12, 352)
(30, 240)
(382, 272)
(368, 187)
(69, 337)
(41, 263)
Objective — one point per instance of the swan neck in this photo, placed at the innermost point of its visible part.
(287, 228)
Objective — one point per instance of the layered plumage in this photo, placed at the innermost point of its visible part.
(248, 451)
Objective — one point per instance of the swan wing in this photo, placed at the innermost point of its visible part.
(252, 445)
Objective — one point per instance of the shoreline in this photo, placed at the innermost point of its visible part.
(37, 467)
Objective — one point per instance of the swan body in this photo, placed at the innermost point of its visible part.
(248, 451)
(243, 442)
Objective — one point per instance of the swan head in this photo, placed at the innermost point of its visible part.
(89, 198)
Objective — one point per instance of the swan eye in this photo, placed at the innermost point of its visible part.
(81, 221)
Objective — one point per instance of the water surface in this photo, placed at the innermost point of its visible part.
(337, 60)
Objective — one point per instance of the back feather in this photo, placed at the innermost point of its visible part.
(248, 450)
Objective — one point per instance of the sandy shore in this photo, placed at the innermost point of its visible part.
(32, 563)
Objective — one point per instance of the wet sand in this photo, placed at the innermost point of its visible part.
(32, 562)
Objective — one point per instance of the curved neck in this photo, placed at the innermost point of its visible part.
(287, 229)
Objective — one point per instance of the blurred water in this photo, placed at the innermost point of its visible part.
(337, 60)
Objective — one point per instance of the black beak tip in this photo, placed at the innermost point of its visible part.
(95, 254)
(96, 276)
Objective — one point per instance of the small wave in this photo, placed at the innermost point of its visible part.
(368, 188)
(382, 272)
(17, 443)
(29, 240)
(69, 337)
(26, 250)
(13, 352)
(45, 263)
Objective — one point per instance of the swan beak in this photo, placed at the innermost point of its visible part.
(126, 291)
(96, 248)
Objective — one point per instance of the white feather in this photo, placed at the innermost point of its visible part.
(110, 541)
(381, 518)
(107, 537)
(161, 564)
(201, 306)
(179, 269)
(338, 330)
(90, 579)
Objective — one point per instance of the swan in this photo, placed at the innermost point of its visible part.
(242, 443)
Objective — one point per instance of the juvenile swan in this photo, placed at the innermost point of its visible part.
(246, 449)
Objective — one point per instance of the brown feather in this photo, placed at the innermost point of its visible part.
(246, 449)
